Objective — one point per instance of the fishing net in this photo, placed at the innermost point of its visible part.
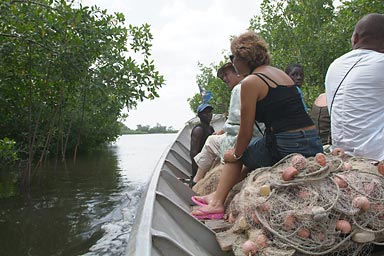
(209, 183)
(323, 205)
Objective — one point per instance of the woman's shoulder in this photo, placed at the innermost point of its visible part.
(271, 77)
(252, 80)
(254, 86)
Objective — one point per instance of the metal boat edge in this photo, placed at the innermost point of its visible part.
(163, 225)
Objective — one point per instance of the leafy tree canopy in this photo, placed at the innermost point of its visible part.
(220, 91)
(66, 74)
(309, 32)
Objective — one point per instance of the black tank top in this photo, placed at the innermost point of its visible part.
(282, 109)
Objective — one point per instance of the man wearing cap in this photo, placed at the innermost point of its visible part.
(217, 144)
(200, 134)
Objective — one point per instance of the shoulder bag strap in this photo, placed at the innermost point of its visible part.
(342, 80)
(258, 127)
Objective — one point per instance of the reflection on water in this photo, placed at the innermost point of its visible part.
(83, 208)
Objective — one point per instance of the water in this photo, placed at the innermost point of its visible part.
(86, 208)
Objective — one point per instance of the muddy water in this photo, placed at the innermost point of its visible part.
(86, 208)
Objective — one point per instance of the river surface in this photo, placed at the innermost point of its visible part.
(87, 208)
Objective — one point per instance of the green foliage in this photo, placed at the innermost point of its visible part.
(8, 152)
(67, 73)
(220, 91)
(161, 129)
(146, 129)
(8, 183)
(295, 32)
(310, 32)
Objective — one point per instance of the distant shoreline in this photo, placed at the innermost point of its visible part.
(138, 132)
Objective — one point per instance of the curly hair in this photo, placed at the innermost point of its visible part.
(251, 48)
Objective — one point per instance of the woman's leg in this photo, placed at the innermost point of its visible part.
(256, 156)
(228, 178)
(209, 197)
(244, 172)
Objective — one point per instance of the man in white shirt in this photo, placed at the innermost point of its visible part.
(355, 92)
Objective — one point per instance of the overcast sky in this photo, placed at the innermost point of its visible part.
(185, 32)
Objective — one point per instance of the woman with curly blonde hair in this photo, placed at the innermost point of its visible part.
(268, 95)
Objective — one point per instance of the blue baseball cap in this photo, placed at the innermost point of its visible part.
(203, 106)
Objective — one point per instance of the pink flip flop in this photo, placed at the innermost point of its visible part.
(198, 202)
(208, 216)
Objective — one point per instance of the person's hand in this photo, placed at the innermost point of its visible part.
(229, 156)
(219, 132)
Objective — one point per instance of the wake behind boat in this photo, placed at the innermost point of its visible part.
(163, 224)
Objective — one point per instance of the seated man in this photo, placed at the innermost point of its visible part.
(355, 92)
(200, 134)
(217, 144)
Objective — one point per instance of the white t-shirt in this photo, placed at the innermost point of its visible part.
(232, 124)
(357, 114)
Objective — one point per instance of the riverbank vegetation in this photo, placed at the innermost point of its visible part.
(67, 72)
(146, 129)
(309, 32)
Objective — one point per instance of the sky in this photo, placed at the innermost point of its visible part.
(185, 32)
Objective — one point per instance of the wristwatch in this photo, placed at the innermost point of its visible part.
(237, 157)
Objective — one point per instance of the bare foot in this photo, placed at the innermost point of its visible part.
(205, 199)
(209, 212)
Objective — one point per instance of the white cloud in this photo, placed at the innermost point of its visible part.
(185, 32)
